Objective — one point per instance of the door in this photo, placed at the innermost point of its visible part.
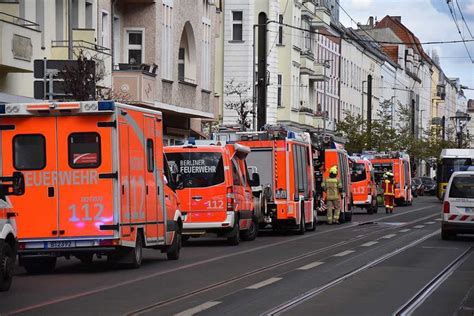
(124, 179)
(85, 176)
(33, 141)
(151, 191)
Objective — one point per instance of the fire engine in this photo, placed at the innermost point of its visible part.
(283, 161)
(8, 235)
(96, 182)
(399, 164)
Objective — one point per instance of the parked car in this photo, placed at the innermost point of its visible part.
(417, 187)
(429, 185)
(458, 206)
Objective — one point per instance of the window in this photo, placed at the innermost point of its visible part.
(237, 19)
(280, 30)
(89, 15)
(358, 172)
(59, 19)
(280, 79)
(84, 150)
(150, 156)
(206, 52)
(235, 173)
(198, 170)
(29, 152)
(116, 35)
(167, 41)
(462, 187)
(105, 29)
(135, 47)
(181, 64)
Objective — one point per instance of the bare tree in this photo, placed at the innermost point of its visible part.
(240, 102)
(79, 80)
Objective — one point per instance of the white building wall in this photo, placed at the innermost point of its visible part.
(238, 57)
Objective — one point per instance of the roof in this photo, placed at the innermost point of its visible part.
(457, 153)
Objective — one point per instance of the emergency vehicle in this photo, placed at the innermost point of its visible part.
(214, 191)
(364, 187)
(283, 161)
(399, 164)
(338, 157)
(96, 182)
(8, 235)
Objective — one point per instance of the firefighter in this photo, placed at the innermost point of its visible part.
(388, 192)
(333, 188)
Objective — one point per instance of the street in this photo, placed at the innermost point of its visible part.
(377, 265)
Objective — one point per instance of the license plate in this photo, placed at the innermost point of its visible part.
(468, 209)
(60, 244)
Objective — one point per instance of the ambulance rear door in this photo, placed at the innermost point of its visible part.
(86, 175)
(28, 144)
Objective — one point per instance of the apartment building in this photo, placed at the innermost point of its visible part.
(302, 56)
(39, 29)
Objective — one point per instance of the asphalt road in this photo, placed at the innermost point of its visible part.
(377, 265)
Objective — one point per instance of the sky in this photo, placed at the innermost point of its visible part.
(429, 20)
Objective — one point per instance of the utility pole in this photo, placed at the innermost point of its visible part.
(326, 66)
(369, 111)
(262, 71)
(69, 30)
(362, 94)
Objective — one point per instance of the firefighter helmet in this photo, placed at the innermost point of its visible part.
(333, 170)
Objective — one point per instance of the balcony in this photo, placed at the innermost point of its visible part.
(307, 63)
(323, 17)
(84, 41)
(307, 11)
(21, 43)
(441, 91)
(135, 84)
(321, 72)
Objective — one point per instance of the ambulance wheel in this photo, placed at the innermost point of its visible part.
(40, 265)
(185, 238)
(7, 262)
(447, 235)
(251, 233)
(175, 249)
(234, 240)
(302, 225)
(136, 253)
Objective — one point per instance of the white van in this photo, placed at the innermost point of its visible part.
(458, 207)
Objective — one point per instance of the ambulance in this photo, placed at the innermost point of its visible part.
(96, 182)
(14, 185)
(338, 157)
(399, 164)
(283, 161)
(215, 190)
(364, 187)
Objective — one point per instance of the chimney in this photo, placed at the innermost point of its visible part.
(371, 21)
(397, 18)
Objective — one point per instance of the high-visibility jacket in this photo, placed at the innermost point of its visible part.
(332, 186)
(388, 187)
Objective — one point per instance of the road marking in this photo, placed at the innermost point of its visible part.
(438, 219)
(388, 236)
(419, 226)
(311, 265)
(370, 243)
(404, 230)
(263, 283)
(344, 253)
(360, 236)
(450, 248)
(198, 309)
(100, 289)
(430, 223)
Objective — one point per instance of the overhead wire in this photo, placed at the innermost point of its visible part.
(464, 20)
(453, 15)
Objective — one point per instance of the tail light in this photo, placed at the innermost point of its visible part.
(230, 199)
(22, 246)
(446, 207)
(280, 194)
(109, 242)
(369, 190)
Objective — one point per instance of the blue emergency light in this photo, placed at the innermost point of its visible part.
(2, 108)
(192, 141)
(106, 105)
